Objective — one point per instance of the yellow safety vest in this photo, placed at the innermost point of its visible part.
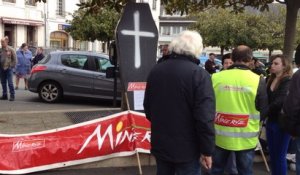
(237, 119)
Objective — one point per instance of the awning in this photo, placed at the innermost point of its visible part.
(22, 21)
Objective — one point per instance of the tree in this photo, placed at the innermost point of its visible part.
(217, 27)
(274, 30)
(224, 29)
(91, 27)
(187, 6)
(292, 8)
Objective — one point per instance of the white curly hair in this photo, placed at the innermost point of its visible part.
(187, 43)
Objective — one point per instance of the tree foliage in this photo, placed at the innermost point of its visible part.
(224, 29)
(188, 6)
(91, 27)
(184, 6)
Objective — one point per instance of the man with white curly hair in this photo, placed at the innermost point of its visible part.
(180, 103)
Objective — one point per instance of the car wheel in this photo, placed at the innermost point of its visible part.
(50, 92)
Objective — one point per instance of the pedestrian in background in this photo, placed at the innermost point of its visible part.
(23, 66)
(226, 61)
(210, 65)
(241, 101)
(180, 104)
(8, 62)
(39, 56)
(277, 88)
(165, 53)
(258, 67)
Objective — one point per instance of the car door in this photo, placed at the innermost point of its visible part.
(77, 75)
(103, 87)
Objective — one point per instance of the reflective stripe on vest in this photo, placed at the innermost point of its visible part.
(237, 134)
(237, 119)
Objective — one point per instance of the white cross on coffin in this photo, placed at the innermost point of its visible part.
(137, 34)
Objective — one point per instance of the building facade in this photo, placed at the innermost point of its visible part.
(22, 21)
(44, 24)
(41, 24)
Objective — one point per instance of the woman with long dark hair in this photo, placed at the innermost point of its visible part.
(277, 88)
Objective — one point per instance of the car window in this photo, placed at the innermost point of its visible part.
(75, 61)
(102, 64)
(45, 59)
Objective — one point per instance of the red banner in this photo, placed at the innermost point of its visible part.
(117, 135)
(136, 86)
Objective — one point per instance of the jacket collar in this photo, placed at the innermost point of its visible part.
(239, 66)
(185, 57)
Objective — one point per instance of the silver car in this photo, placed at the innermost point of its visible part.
(71, 73)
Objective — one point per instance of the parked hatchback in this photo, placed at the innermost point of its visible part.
(71, 73)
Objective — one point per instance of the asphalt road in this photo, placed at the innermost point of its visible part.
(28, 101)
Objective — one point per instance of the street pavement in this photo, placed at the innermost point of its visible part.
(28, 114)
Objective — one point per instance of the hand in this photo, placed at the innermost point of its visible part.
(206, 161)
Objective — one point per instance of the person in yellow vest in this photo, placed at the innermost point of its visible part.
(241, 102)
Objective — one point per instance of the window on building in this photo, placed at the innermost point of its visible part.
(165, 30)
(176, 30)
(154, 4)
(12, 1)
(184, 28)
(60, 8)
(30, 2)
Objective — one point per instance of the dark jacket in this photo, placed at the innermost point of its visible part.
(259, 71)
(163, 58)
(291, 106)
(210, 66)
(37, 58)
(276, 99)
(180, 103)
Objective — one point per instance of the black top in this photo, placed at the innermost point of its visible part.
(180, 103)
(291, 106)
(276, 99)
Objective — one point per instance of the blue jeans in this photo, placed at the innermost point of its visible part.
(7, 77)
(278, 142)
(298, 156)
(244, 161)
(230, 168)
(170, 168)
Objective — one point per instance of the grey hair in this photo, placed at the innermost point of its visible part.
(187, 43)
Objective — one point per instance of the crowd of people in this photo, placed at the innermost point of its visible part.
(19, 62)
(202, 116)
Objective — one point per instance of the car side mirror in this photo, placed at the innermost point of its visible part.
(111, 72)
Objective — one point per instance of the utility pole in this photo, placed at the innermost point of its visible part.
(45, 24)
